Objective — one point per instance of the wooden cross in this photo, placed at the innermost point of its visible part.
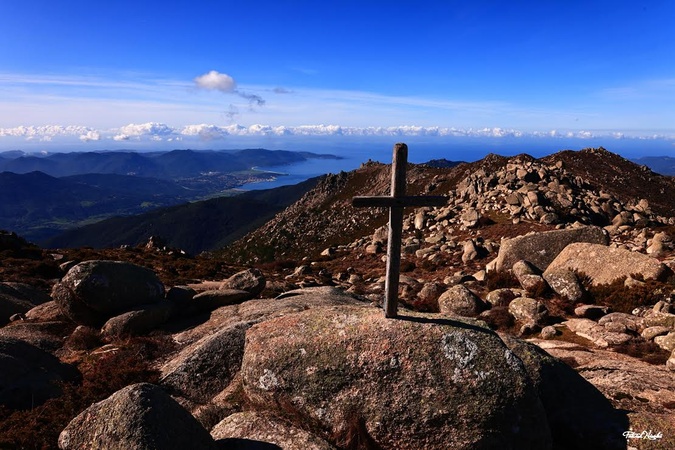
(396, 202)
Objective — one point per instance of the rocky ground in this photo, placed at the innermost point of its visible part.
(530, 258)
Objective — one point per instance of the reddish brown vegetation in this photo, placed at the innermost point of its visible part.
(114, 367)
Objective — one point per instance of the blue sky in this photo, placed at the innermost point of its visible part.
(96, 75)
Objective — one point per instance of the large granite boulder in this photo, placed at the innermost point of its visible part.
(417, 382)
(579, 416)
(204, 368)
(605, 264)
(140, 416)
(540, 249)
(94, 291)
(29, 375)
(250, 280)
(460, 301)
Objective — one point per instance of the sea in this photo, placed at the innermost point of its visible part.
(353, 154)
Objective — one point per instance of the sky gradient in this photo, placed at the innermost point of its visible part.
(87, 75)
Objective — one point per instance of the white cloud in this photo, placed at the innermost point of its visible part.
(152, 129)
(90, 136)
(216, 81)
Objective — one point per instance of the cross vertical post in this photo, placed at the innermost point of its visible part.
(398, 171)
(396, 202)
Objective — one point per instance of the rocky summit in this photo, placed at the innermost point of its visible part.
(535, 312)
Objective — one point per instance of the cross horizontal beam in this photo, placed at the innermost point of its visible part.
(386, 201)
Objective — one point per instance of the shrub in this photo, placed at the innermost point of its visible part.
(502, 279)
(126, 362)
(625, 299)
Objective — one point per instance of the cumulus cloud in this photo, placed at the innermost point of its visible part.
(216, 81)
(151, 129)
(90, 136)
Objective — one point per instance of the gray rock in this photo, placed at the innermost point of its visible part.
(458, 387)
(140, 416)
(630, 321)
(596, 333)
(529, 277)
(469, 251)
(565, 283)
(28, 375)
(203, 369)
(47, 336)
(501, 297)
(605, 264)
(46, 312)
(139, 321)
(460, 301)
(250, 280)
(93, 291)
(540, 249)
(256, 428)
(528, 310)
(470, 218)
(548, 332)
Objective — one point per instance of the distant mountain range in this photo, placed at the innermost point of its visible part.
(165, 165)
(42, 196)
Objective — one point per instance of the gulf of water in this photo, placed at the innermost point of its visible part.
(355, 153)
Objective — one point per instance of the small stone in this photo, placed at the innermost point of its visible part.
(548, 332)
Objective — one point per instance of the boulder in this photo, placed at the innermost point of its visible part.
(540, 249)
(629, 321)
(210, 300)
(605, 264)
(250, 280)
(94, 291)
(528, 311)
(529, 277)
(139, 321)
(460, 301)
(597, 334)
(254, 429)
(650, 333)
(203, 369)
(348, 370)
(46, 312)
(654, 318)
(565, 283)
(501, 297)
(28, 375)
(578, 414)
(47, 336)
(140, 416)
